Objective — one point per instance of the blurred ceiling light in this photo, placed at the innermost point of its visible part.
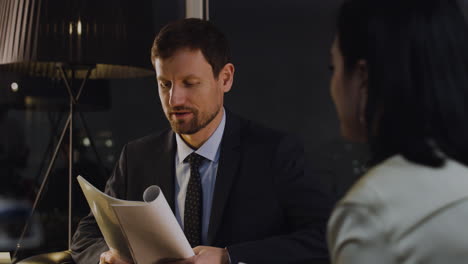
(14, 87)
(86, 142)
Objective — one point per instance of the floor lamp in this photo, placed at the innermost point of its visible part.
(74, 40)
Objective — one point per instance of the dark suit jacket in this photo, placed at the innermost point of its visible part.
(265, 209)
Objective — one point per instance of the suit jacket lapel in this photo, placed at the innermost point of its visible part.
(165, 174)
(227, 169)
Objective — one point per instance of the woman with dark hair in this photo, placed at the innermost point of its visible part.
(400, 83)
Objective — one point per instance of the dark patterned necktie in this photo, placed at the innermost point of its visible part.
(193, 202)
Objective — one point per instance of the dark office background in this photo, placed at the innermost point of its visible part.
(281, 53)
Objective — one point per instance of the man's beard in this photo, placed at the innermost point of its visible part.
(189, 127)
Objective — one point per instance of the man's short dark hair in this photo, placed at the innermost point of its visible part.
(193, 34)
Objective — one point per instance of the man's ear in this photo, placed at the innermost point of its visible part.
(226, 77)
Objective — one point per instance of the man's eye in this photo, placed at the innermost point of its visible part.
(165, 84)
(190, 84)
(331, 68)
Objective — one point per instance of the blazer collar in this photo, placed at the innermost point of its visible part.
(165, 174)
(227, 170)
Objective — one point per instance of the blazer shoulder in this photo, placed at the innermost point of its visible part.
(254, 132)
(153, 140)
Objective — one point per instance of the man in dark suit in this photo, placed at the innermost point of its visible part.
(238, 189)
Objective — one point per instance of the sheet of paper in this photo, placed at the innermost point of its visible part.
(5, 258)
(146, 232)
(100, 204)
(152, 230)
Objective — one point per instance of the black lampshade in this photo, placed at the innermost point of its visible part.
(45, 94)
(114, 36)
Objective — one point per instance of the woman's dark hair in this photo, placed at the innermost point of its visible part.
(194, 34)
(417, 59)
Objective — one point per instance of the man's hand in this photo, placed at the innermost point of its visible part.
(210, 255)
(111, 257)
(206, 255)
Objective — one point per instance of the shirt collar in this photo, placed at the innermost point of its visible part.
(209, 149)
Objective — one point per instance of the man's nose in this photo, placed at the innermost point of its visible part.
(177, 96)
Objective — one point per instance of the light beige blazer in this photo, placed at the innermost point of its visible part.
(402, 212)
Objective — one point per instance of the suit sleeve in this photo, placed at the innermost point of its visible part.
(88, 242)
(306, 205)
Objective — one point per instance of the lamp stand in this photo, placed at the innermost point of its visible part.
(73, 101)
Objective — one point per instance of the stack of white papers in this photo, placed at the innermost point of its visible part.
(146, 232)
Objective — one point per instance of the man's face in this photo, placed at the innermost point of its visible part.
(190, 95)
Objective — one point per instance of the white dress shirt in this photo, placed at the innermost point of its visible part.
(210, 151)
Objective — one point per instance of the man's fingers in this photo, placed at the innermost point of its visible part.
(110, 257)
(198, 249)
(103, 257)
